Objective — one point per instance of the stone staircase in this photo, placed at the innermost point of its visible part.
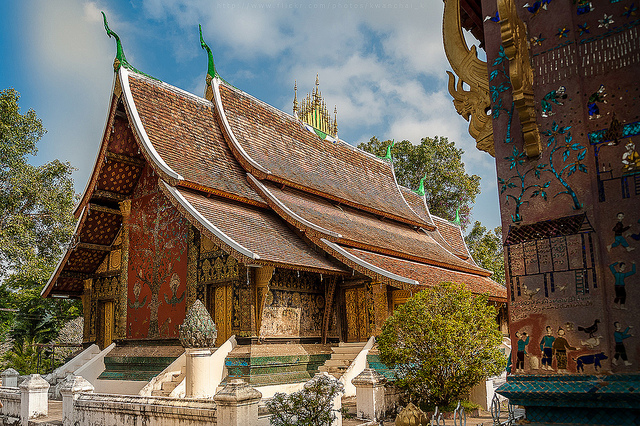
(341, 358)
(169, 385)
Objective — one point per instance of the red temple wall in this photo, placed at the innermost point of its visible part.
(157, 268)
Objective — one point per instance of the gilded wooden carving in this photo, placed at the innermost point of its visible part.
(193, 253)
(125, 209)
(514, 39)
(472, 104)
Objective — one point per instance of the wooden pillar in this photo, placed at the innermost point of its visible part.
(328, 305)
(380, 306)
(262, 279)
(193, 254)
(86, 309)
(121, 322)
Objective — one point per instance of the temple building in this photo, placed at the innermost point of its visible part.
(556, 104)
(292, 239)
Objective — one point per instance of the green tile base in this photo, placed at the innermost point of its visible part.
(575, 399)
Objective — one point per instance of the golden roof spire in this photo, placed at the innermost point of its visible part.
(313, 111)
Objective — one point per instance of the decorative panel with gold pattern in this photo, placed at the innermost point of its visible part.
(106, 287)
(122, 140)
(215, 264)
(100, 228)
(287, 279)
(82, 260)
(118, 177)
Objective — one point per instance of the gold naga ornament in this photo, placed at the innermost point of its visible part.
(514, 40)
(472, 104)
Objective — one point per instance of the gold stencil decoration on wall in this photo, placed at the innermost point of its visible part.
(472, 104)
(515, 42)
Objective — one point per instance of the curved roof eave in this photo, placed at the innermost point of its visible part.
(236, 148)
(366, 265)
(77, 210)
(46, 290)
(208, 225)
(147, 146)
(263, 190)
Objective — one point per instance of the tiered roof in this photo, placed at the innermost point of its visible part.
(255, 181)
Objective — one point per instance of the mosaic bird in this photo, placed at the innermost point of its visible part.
(591, 329)
(529, 293)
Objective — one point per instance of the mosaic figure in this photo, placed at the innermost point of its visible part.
(618, 230)
(560, 347)
(620, 275)
(592, 102)
(553, 96)
(523, 341)
(584, 6)
(619, 336)
(536, 6)
(630, 159)
(546, 347)
(634, 236)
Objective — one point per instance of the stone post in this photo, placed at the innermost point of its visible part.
(72, 387)
(198, 335)
(10, 378)
(370, 390)
(34, 398)
(198, 374)
(237, 404)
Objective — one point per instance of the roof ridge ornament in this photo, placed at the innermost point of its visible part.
(458, 219)
(211, 68)
(120, 59)
(420, 190)
(388, 156)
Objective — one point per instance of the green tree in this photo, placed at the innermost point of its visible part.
(448, 187)
(36, 222)
(486, 249)
(312, 405)
(441, 343)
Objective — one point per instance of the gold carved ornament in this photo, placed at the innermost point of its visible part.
(514, 40)
(474, 103)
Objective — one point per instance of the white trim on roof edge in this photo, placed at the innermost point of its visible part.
(289, 211)
(367, 265)
(210, 226)
(137, 122)
(218, 104)
(64, 256)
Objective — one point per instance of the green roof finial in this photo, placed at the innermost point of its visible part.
(387, 156)
(457, 219)
(211, 70)
(420, 190)
(120, 58)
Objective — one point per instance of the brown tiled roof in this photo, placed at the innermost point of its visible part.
(361, 228)
(452, 234)
(184, 132)
(261, 231)
(276, 141)
(429, 275)
(417, 204)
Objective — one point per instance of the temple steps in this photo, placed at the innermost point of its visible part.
(169, 385)
(341, 358)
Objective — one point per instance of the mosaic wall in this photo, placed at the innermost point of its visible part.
(294, 306)
(570, 215)
(157, 263)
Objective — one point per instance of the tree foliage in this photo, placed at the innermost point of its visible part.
(312, 406)
(448, 186)
(486, 249)
(441, 343)
(36, 222)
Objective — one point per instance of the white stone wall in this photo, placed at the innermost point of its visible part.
(10, 399)
(121, 410)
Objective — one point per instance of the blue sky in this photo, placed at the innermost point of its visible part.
(380, 62)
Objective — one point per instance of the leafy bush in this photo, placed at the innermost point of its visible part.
(442, 342)
(313, 405)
